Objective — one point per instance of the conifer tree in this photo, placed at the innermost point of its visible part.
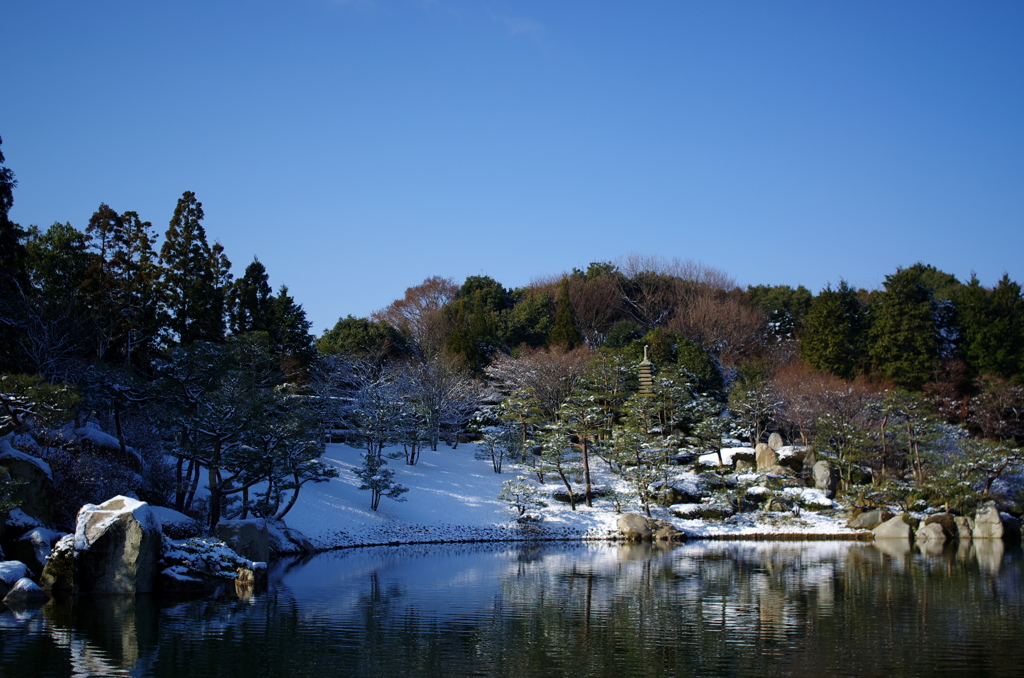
(251, 301)
(904, 339)
(13, 271)
(992, 327)
(834, 332)
(564, 334)
(194, 275)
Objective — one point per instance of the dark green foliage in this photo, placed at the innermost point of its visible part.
(13, 273)
(904, 335)
(565, 334)
(493, 297)
(530, 320)
(834, 333)
(289, 333)
(595, 269)
(195, 279)
(784, 306)
(991, 325)
(364, 338)
(122, 285)
(57, 263)
(622, 334)
(251, 301)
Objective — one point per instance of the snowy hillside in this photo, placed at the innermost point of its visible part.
(453, 496)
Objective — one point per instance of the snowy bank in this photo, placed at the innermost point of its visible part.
(453, 497)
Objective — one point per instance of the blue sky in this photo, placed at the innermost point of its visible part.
(358, 147)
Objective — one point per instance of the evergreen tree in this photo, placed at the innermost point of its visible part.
(784, 306)
(358, 337)
(251, 301)
(564, 334)
(194, 277)
(13, 274)
(991, 325)
(833, 336)
(122, 284)
(904, 335)
(289, 332)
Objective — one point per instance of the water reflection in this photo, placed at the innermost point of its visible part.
(711, 608)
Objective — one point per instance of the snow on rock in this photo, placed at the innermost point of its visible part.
(20, 520)
(11, 571)
(199, 556)
(727, 455)
(9, 454)
(25, 592)
(118, 544)
(176, 525)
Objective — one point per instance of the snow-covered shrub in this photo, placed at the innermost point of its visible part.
(523, 497)
(211, 557)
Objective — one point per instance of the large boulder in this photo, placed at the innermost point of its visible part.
(931, 532)
(248, 538)
(25, 592)
(826, 478)
(867, 520)
(766, 457)
(775, 442)
(964, 527)
(634, 527)
(285, 540)
(118, 547)
(10, 572)
(898, 527)
(988, 524)
(35, 496)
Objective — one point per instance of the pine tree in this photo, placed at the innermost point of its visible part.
(194, 275)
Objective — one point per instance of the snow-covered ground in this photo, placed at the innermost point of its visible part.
(453, 497)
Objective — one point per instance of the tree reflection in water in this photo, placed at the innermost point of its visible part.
(707, 609)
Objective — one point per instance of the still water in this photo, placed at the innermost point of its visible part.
(700, 609)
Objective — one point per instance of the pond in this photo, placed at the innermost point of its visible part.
(561, 609)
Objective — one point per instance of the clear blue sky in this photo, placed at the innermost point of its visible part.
(358, 147)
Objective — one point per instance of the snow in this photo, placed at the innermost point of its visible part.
(7, 452)
(18, 519)
(11, 571)
(140, 511)
(97, 436)
(727, 455)
(453, 497)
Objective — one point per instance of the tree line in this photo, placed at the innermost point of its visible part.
(113, 325)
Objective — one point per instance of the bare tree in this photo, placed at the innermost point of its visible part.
(418, 314)
(722, 322)
(549, 375)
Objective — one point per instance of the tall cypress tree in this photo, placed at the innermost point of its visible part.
(251, 301)
(194, 276)
(564, 334)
